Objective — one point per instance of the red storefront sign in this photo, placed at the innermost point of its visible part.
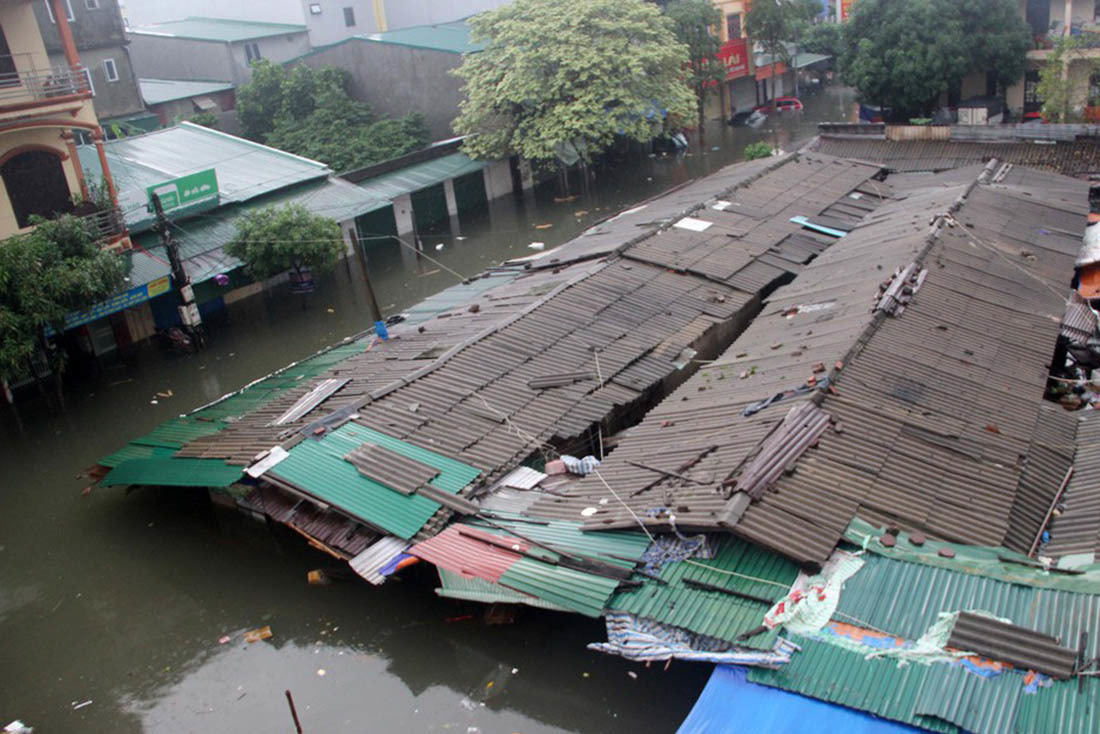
(734, 55)
(845, 9)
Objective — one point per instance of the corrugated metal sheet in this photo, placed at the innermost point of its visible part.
(169, 472)
(135, 451)
(1010, 643)
(1077, 528)
(919, 593)
(245, 170)
(175, 432)
(451, 37)
(455, 586)
(580, 592)
(317, 467)
(159, 91)
(389, 186)
(736, 566)
(1077, 158)
(974, 703)
(223, 30)
(621, 548)
(471, 552)
(377, 556)
(840, 676)
(1061, 709)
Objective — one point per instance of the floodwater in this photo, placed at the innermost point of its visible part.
(112, 604)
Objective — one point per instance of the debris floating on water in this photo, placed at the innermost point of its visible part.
(261, 633)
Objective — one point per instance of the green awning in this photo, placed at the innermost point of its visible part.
(172, 472)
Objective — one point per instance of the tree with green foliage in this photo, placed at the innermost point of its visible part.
(46, 274)
(206, 119)
(309, 112)
(277, 239)
(562, 79)
(826, 39)
(696, 22)
(904, 55)
(773, 23)
(1057, 85)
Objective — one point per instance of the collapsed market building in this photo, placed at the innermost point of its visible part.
(852, 483)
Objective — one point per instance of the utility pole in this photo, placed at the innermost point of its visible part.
(188, 310)
(361, 258)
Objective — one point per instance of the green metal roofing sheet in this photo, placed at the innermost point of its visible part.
(159, 91)
(714, 613)
(419, 176)
(906, 598)
(998, 563)
(171, 472)
(834, 674)
(1060, 709)
(974, 703)
(216, 29)
(455, 586)
(245, 169)
(318, 467)
(174, 433)
(577, 591)
(135, 451)
(621, 548)
(451, 37)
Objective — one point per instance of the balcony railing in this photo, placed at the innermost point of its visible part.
(106, 224)
(19, 80)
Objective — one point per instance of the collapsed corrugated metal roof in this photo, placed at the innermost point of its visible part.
(933, 407)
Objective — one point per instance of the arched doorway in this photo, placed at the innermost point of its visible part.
(36, 184)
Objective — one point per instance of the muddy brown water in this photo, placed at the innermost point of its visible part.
(120, 599)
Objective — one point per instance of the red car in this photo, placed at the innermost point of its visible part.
(783, 104)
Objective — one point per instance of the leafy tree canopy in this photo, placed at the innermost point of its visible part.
(905, 54)
(568, 76)
(773, 22)
(696, 22)
(309, 112)
(275, 239)
(46, 274)
(1057, 83)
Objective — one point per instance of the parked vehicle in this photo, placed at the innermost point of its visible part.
(782, 104)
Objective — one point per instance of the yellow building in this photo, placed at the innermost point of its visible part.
(41, 109)
(739, 90)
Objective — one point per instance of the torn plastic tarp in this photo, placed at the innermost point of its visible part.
(812, 600)
(645, 640)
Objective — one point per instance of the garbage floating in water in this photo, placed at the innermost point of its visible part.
(261, 633)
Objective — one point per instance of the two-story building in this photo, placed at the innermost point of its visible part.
(42, 107)
(100, 40)
(213, 49)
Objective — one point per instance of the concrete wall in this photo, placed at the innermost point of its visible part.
(328, 26)
(397, 80)
(147, 12)
(112, 99)
(91, 28)
(160, 57)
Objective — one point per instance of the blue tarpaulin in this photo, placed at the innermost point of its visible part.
(729, 703)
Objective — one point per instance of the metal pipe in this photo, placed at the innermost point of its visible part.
(1050, 511)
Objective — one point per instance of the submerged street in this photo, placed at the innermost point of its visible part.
(112, 604)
